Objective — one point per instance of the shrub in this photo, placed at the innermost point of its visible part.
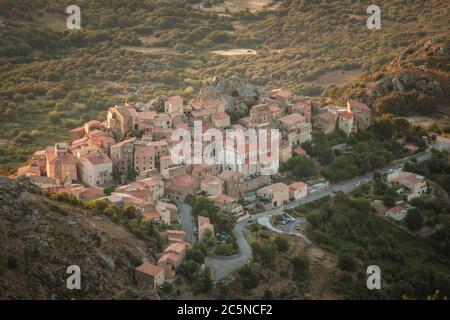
(347, 262)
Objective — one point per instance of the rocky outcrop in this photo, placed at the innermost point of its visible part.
(40, 238)
(237, 93)
(422, 67)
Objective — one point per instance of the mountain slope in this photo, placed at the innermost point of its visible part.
(416, 81)
(40, 238)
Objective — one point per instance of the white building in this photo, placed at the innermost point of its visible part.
(414, 185)
(298, 190)
(95, 169)
(397, 213)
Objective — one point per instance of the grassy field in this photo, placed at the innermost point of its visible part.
(238, 5)
(338, 77)
(137, 52)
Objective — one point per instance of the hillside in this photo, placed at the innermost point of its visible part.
(40, 238)
(416, 82)
(134, 51)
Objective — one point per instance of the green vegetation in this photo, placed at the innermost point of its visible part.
(410, 266)
(299, 168)
(300, 267)
(249, 276)
(436, 169)
(264, 252)
(403, 104)
(223, 223)
(133, 51)
(366, 150)
(126, 216)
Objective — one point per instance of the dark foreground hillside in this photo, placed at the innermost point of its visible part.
(40, 238)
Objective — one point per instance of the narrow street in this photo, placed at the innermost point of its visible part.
(185, 214)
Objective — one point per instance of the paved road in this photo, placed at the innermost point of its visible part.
(221, 267)
(185, 214)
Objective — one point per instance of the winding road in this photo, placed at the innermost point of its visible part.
(222, 266)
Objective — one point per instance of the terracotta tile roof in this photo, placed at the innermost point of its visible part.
(284, 93)
(144, 150)
(358, 105)
(198, 168)
(292, 119)
(230, 174)
(175, 100)
(170, 256)
(225, 199)
(328, 116)
(122, 143)
(91, 192)
(220, 116)
(411, 177)
(274, 108)
(260, 109)
(182, 182)
(276, 187)
(150, 269)
(203, 221)
(346, 115)
(150, 182)
(151, 215)
(39, 153)
(178, 247)
(302, 107)
(210, 179)
(162, 116)
(97, 159)
(300, 151)
(297, 185)
(177, 232)
(395, 210)
(147, 115)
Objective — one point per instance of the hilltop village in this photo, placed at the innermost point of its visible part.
(125, 160)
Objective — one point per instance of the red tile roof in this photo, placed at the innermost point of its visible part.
(171, 256)
(150, 269)
(297, 185)
(346, 115)
(358, 105)
(151, 215)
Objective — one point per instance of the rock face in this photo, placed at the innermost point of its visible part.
(422, 67)
(236, 92)
(40, 238)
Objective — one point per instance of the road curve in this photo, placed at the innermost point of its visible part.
(221, 267)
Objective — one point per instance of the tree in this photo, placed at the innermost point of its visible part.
(301, 268)
(205, 282)
(414, 220)
(347, 262)
(189, 269)
(281, 243)
(196, 255)
(388, 200)
(264, 252)
(249, 277)
(300, 167)
(54, 117)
